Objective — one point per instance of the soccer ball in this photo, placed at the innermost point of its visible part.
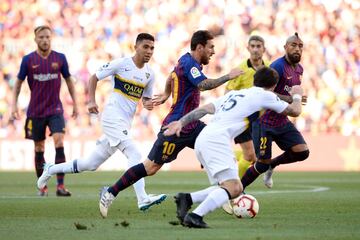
(245, 206)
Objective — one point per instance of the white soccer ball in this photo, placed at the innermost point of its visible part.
(245, 206)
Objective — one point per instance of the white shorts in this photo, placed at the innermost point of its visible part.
(115, 131)
(217, 157)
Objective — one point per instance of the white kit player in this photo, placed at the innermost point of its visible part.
(213, 147)
(132, 80)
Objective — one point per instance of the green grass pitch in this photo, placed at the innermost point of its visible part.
(300, 206)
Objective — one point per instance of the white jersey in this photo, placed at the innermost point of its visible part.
(129, 84)
(234, 110)
(213, 146)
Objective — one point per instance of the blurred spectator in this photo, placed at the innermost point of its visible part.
(92, 32)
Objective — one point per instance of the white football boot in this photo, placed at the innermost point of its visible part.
(45, 176)
(151, 200)
(268, 181)
(106, 199)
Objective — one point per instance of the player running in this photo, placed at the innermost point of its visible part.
(132, 79)
(185, 84)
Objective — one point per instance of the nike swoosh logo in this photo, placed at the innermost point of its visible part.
(35, 66)
(289, 77)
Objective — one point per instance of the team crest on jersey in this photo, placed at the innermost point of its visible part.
(55, 65)
(125, 132)
(147, 75)
(195, 72)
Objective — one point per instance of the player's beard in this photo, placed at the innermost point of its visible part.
(294, 58)
(204, 60)
(44, 47)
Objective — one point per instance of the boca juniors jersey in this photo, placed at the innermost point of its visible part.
(130, 83)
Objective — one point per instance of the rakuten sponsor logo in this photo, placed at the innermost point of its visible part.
(45, 77)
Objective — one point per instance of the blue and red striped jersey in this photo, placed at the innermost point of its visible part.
(43, 76)
(186, 76)
(288, 77)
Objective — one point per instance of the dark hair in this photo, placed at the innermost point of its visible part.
(40, 28)
(144, 36)
(256, 38)
(200, 37)
(266, 77)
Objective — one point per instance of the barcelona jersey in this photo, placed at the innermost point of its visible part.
(186, 76)
(288, 77)
(44, 79)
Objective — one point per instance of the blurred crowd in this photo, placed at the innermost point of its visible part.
(92, 32)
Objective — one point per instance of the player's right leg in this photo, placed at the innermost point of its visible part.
(35, 129)
(133, 155)
(99, 155)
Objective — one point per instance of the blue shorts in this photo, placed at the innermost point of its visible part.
(166, 148)
(285, 137)
(35, 128)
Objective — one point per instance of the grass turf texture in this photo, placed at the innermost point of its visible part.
(300, 206)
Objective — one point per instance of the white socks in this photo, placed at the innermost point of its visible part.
(213, 201)
(200, 196)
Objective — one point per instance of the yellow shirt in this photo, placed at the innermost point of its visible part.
(245, 80)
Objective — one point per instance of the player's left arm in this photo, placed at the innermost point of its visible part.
(70, 84)
(209, 84)
(176, 126)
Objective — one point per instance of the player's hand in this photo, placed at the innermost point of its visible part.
(159, 99)
(173, 128)
(296, 89)
(235, 72)
(14, 114)
(148, 104)
(75, 112)
(93, 107)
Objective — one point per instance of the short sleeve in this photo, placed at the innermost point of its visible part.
(65, 68)
(195, 75)
(23, 72)
(273, 102)
(107, 69)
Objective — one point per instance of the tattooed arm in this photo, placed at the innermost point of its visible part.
(208, 84)
(176, 126)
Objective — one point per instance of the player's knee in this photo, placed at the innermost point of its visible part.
(261, 167)
(301, 156)
(151, 167)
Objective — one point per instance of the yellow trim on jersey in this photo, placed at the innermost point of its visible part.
(118, 77)
(245, 80)
(176, 87)
(128, 88)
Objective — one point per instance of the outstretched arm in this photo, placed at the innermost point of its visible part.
(208, 84)
(176, 126)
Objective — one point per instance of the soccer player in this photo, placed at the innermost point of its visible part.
(213, 147)
(256, 48)
(132, 79)
(277, 127)
(185, 84)
(43, 69)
